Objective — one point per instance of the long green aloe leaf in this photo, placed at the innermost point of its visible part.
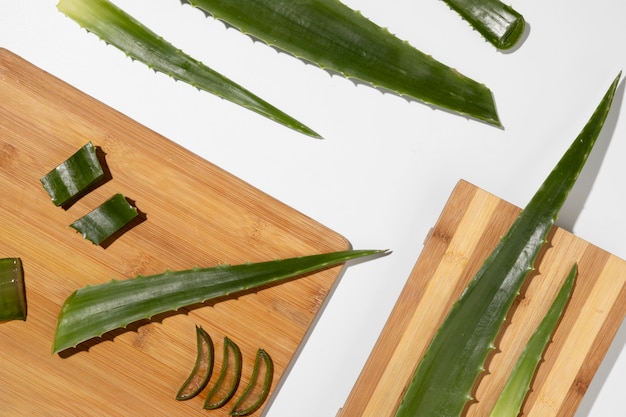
(118, 28)
(333, 36)
(499, 23)
(443, 380)
(93, 310)
(510, 402)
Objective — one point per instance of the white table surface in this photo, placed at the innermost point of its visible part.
(387, 166)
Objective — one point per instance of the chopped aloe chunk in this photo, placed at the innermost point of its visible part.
(74, 176)
(498, 22)
(12, 290)
(105, 220)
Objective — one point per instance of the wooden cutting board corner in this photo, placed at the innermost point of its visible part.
(467, 230)
(197, 215)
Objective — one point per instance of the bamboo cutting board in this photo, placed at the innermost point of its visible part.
(194, 214)
(466, 232)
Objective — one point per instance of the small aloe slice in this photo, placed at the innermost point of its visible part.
(105, 220)
(499, 23)
(258, 388)
(229, 378)
(74, 176)
(12, 290)
(442, 383)
(121, 30)
(93, 310)
(509, 403)
(335, 37)
(202, 368)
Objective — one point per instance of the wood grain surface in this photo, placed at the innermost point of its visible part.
(193, 214)
(467, 230)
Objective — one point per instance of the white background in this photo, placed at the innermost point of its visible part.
(386, 166)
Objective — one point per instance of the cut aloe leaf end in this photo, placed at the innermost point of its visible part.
(116, 27)
(497, 22)
(105, 220)
(12, 290)
(336, 37)
(94, 310)
(510, 402)
(73, 177)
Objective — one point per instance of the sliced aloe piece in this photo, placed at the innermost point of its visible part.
(105, 220)
(229, 378)
(121, 30)
(12, 290)
(499, 23)
(510, 402)
(258, 388)
(335, 37)
(93, 310)
(442, 383)
(73, 177)
(202, 368)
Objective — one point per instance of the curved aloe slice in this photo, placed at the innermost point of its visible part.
(333, 36)
(509, 403)
(258, 388)
(93, 310)
(105, 220)
(229, 378)
(443, 380)
(117, 28)
(202, 368)
(74, 176)
(499, 23)
(12, 290)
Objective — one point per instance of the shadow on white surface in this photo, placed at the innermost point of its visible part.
(577, 198)
(599, 381)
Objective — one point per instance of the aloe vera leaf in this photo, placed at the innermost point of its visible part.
(509, 403)
(258, 388)
(105, 220)
(229, 377)
(442, 383)
(497, 22)
(121, 30)
(12, 290)
(335, 37)
(74, 176)
(202, 368)
(93, 310)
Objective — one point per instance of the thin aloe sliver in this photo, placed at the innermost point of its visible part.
(229, 378)
(202, 368)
